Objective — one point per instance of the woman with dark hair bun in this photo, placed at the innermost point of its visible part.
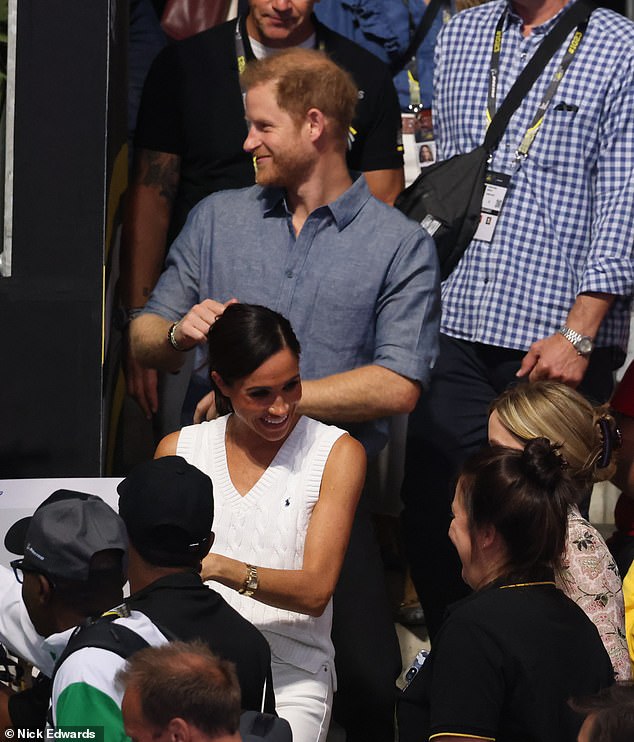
(588, 439)
(508, 657)
(285, 492)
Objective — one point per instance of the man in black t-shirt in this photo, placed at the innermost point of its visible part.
(190, 132)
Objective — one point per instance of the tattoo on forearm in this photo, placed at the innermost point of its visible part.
(159, 170)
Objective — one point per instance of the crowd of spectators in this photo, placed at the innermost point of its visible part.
(279, 312)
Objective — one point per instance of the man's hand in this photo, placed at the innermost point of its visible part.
(141, 383)
(192, 329)
(554, 358)
(206, 408)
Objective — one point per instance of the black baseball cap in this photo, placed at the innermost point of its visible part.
(167, 507)
(64, 533)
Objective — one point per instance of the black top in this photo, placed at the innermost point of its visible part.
(188, 609)
(503, 666)
(192, 106)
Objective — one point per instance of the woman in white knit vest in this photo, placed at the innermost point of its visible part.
(285, 491)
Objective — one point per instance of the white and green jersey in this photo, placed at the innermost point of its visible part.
(84, 690)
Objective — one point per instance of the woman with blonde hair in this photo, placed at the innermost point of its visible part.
(587, 438)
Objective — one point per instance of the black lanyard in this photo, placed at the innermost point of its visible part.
(494, 71)
(241, 50)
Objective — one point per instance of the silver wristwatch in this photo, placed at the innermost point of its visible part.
(583, 344)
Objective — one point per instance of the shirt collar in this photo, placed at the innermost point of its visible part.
(343, 210)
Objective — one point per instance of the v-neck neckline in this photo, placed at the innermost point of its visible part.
(272, 471)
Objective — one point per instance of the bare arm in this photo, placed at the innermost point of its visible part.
(143, 243)
(167, 446)
(308, 590)
(555, 357)
(386, 184)
(148, 335)
(147, 217)
(360, 394)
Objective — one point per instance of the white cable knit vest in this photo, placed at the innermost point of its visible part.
(268, 527)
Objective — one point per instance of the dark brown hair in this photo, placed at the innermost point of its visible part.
(241, 340)
(613, 711)
(525, 495)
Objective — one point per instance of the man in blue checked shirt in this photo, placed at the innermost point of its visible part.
(543, 290)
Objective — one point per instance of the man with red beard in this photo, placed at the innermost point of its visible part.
(188, 144)
(359, 283)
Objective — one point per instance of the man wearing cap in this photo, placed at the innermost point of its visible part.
(167, 508)
(73, 567)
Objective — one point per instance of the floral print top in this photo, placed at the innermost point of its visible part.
(590, 577)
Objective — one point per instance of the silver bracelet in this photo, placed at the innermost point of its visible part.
(172, 340)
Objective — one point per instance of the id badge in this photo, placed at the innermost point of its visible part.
(495, 187)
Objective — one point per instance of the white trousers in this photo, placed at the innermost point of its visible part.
(304, 699)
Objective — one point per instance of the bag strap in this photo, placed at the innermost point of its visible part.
(102, 634)
(576, 14)
(429, 16)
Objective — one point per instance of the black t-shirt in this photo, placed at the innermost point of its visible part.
(188, 609)
(192, 106)
(503, 666)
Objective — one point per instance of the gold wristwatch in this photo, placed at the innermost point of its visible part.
(251, 581)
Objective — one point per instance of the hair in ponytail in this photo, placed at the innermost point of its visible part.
(525, 495)
(241, 340)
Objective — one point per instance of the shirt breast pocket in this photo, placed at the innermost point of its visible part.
(567, 137)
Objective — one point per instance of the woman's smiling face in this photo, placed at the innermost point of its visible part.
(266, 400)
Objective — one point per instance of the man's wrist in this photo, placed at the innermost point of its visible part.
(171, 338)
(583, 344)
(123, 316)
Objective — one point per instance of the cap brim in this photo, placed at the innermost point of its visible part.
(15, 539)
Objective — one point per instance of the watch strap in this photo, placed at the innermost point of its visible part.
(576, 338)
(251, 581)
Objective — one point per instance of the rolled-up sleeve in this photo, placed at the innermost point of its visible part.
(609, 268)
(408, 310)
(178, 288)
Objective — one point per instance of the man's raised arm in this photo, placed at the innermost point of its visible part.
(157, 342)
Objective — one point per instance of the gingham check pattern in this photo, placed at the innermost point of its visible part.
(567, 225)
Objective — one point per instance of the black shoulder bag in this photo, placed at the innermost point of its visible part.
(446, 198)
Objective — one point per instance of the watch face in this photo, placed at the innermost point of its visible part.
(584, 346)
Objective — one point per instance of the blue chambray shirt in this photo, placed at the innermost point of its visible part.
(567, 225)
(359, 284)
